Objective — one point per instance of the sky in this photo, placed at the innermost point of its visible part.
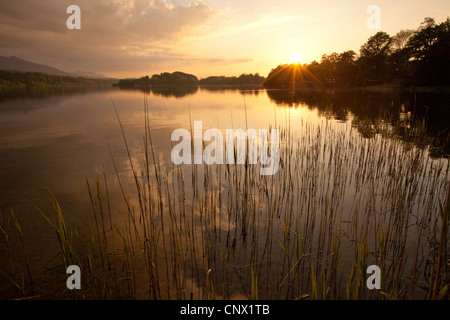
(133, 38)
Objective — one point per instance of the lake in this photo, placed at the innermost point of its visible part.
(361, 176)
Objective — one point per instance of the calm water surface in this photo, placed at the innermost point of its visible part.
(58, 140)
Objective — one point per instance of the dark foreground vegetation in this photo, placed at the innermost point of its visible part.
(287, 236)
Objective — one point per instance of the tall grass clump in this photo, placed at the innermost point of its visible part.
(340, 202)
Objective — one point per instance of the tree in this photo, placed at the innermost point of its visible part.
(329, 65)
(400, 40)
(400, 66)
(411, 57)
(373, 62)
(346, 67)
(430, 48)
(425, 37)
(291, 75)
(243, 79)
(377, 45)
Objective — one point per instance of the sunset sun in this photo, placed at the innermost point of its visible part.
(296, 58)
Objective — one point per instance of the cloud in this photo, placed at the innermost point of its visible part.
(115, 35)
(119, 18)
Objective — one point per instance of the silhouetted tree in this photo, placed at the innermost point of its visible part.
(400, 40)
(346, 67)
(329, 65)
(175, 78)
(374, 54)
(243, 79)
(430, 49)
(291, 75)
(165, 78)
(399, 64)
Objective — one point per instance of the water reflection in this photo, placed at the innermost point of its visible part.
(370, 111)
(330, 177)
(20, 93)
(181, 91)
(244, 90)
(167, 91)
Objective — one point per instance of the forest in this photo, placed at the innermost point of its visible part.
(243, 79)
(181, 78)
(19, 79)
(410, 58)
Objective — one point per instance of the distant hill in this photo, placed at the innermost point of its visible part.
(88, 74)
(16, 64)
(20, 79)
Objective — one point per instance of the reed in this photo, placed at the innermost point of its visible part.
(339, 203)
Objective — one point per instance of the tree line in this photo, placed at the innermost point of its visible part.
(165, 78)
(19, 79)
(243, 79)
(181, 78)
(411, 57)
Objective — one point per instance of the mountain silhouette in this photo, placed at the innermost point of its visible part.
(18, 64)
